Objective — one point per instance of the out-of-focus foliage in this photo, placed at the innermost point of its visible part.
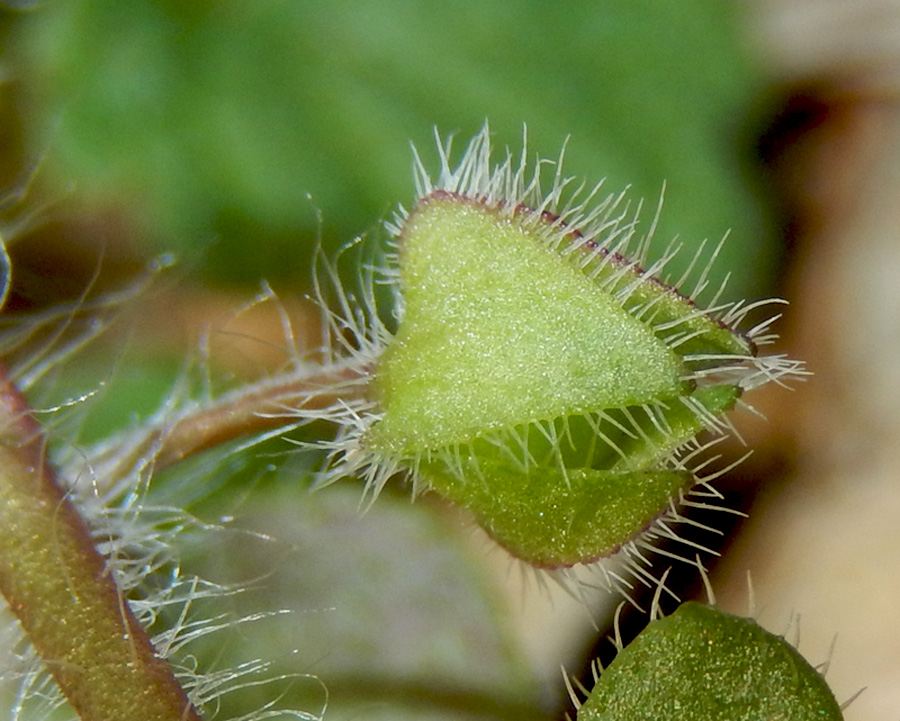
(209, 123)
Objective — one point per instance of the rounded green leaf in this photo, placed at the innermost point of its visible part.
(574, 500)
(553, 518)
(701, 664)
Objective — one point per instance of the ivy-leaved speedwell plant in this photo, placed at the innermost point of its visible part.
(531, 367)
(540, 375)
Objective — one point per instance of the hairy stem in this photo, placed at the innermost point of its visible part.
(59, 587)
(279, 402)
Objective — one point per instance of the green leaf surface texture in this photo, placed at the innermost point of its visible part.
(701, 664)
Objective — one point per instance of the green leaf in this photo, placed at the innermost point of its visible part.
(565, 510)
(387, 609)
(701, 664)
(553, 518)
(215, 120)
(538, 375)
(499, 331)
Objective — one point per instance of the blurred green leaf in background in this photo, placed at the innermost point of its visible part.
(231, 127)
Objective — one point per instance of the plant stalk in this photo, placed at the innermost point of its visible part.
(279, 402)
(60, 588)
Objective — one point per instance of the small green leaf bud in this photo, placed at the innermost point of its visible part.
(539, 376)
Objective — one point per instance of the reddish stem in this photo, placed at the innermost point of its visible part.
(61, 590)
(279, 402)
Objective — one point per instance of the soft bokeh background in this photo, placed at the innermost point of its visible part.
(236, 136)
(823, 543)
